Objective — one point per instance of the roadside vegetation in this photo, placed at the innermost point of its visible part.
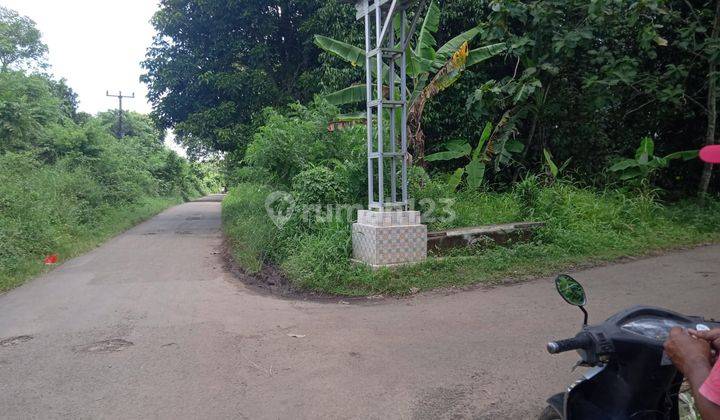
(585, 224)
(67, 181)
(584, 115)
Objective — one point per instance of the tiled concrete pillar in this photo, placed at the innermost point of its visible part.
(386, 238)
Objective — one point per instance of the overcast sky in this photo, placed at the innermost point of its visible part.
(97, 45)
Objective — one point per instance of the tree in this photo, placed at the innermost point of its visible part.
(134, 125)
(588, 78)
(27, 108)
(580, 78)
(709, 48)
(475, 168)
(214, 65)
(67, 96)
(20, 43)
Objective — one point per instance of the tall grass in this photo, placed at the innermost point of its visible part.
(583, 226)
(51, 209)
(252, 235)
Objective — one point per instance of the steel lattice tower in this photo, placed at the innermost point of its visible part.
(387, 37)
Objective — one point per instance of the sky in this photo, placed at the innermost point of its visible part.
(97, 45)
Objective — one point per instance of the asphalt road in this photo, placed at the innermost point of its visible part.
(150, 325)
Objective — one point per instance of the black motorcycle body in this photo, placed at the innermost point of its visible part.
(630, 377)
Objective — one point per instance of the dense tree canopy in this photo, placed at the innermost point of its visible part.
(20, 43)
(215, 64)
(586, 80)
(579, 79)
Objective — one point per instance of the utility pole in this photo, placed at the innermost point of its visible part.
(120, 114)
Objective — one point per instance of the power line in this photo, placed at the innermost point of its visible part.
(120, 114)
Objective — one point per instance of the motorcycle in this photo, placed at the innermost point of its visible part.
(629, 376)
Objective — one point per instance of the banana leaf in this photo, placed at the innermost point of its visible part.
(426, 43)
(645, 151)
(455, 179)
(475, 174)
(551, 165)
(455, 149)
(446, 51)
(354, 117)
(632, 173)
(353, 94)
(417, 65)
(623, 165)
(684, 155)
(478, 153)
(347, 52)
(349, 95)
(481, 54)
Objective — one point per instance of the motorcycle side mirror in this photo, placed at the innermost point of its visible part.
(573, 293)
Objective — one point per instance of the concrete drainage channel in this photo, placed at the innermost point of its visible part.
(503, 234)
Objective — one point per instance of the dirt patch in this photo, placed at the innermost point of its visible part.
(105, 346)
(14, 341)
(271, 280)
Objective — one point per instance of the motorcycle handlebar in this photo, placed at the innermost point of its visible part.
(560, 346)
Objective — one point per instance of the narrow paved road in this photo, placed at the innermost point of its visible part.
(150, 326)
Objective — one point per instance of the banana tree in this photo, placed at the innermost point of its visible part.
(431, 70)
(479, 158)
(646, 162)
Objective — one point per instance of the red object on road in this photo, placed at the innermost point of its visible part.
(51, 259)
(710, 154)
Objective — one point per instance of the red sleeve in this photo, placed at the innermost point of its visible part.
(710, 389)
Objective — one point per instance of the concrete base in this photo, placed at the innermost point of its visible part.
(387, 238)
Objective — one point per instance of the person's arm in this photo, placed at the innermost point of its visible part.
(692, 357)
(697, 379)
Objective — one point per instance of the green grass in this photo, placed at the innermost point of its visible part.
(66, 210)
(247, 226)
(83, 239)
(584, 226)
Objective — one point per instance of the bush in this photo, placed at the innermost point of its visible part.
(527, 192)
(320, 185)
(294, 151)
(66, 182)
(47, 209)
(27, 107)
(37, 213)
(285, 145)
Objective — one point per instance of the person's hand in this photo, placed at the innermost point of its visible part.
(712, 336)
(689, 354)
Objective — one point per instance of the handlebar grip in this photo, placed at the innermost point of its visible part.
(560, 346)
